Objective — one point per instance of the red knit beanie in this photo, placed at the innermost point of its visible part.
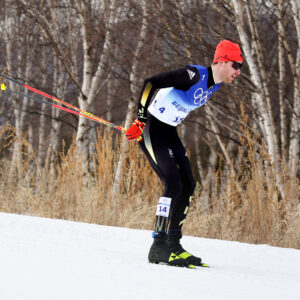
(227, 50)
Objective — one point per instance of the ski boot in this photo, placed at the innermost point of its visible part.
(176, 248)
(161, 253)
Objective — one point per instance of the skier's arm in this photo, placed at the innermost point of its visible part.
(180, 79)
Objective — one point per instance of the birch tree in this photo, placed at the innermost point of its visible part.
(91, 81)
(17, 62)
(42, 142)
(94, 49)
(135, 78)
(294, 151)
(261, 98)
(282, 71)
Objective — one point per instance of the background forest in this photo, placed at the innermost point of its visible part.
(243, 144)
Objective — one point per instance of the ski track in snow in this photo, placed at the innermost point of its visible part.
(55, 259)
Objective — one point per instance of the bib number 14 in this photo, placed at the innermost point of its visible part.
(163, 207)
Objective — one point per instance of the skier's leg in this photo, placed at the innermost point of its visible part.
(159, 145)
(183, 200)
(181, 204)
(156, 147)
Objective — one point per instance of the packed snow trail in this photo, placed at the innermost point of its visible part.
(53, 259)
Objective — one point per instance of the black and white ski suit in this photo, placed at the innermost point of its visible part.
(179, 92)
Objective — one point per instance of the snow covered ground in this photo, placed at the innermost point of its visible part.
(54, 259)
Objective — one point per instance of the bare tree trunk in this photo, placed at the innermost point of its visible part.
(109, 99)
(9, 22)
(258, 77)
(294, 152)
(135, 83)
(42, 143)
(282, 70)
(12, 23)
(90, 85)
(59, 86)
(224, 148)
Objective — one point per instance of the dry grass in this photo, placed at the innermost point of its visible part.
(253, 214)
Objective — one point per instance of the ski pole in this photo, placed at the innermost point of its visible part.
(4, 87)
(75, 110)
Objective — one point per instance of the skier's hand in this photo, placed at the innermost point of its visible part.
(135, 131)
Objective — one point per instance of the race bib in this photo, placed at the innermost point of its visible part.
(163, 207)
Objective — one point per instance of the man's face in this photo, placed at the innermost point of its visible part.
(228, 72)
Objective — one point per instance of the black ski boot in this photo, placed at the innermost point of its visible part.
(161, 253)
(176, 248)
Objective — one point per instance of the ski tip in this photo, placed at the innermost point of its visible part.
(192, 267)
(3, 87)
(195, 267)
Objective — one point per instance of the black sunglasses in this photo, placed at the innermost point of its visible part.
(236, 65)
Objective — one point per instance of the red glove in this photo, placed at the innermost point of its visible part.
(135, 131)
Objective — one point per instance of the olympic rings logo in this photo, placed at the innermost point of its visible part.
(200, 96)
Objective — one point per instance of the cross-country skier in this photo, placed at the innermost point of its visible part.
(180, 92)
